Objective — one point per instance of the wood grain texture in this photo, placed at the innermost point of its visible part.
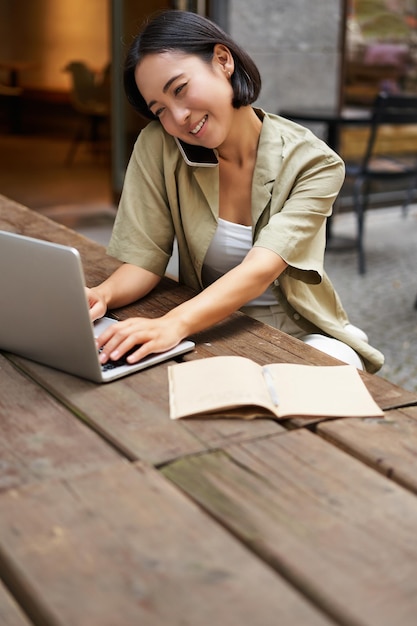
(132, 414)
(337, 530)
(122, 546)
(389, 445)
(10, 612)
(39, 438)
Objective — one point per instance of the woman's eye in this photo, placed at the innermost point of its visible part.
(178, 89)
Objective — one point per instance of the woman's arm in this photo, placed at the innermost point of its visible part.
(127, 284)
(243, 283)
(230, 292)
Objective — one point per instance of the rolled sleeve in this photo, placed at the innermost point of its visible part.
(307, 183)
(143, 232)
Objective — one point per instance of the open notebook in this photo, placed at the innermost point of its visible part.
(235, 386)
(44, 311)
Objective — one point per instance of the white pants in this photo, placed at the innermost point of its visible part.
(336, 348)
(275, 316)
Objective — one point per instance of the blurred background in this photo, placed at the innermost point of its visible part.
(61, 62)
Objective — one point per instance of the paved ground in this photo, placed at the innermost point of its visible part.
(382, 301)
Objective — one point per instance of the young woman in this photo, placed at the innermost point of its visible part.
(250, 230)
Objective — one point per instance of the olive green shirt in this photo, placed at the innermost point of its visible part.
(297, 178)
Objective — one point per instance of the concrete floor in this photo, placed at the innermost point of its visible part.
(33, 172)
(382, 301)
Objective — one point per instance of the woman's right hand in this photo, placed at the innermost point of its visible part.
(96, 304)
(127, 284)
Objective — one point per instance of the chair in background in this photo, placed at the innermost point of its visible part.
(381, 166)
(90, 97)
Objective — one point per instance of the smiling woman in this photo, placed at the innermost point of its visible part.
(250, 230)
(190, 35)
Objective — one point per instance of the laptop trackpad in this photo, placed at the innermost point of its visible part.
(102, 324)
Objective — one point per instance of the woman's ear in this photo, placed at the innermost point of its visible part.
(223, 57)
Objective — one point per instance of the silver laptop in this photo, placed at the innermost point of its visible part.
(44, 312)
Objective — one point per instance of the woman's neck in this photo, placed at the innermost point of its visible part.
(242, 143)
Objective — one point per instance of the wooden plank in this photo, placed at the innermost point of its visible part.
(39, 438)
(133, 414)
(341, 533)
(10, 612)
(387, 394)
(388, 445)
(123, 546)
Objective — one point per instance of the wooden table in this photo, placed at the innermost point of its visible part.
(113, 515)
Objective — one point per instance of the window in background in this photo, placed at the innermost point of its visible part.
(381, 49)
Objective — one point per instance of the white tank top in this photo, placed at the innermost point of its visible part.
(228, 248)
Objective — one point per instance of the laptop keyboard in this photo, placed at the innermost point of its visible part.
(111, 365)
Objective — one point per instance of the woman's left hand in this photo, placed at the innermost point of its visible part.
(150, 335)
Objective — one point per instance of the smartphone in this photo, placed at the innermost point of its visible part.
(197, 155)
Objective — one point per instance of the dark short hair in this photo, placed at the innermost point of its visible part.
(193, 34)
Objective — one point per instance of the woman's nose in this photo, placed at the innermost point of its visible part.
(181, 115)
